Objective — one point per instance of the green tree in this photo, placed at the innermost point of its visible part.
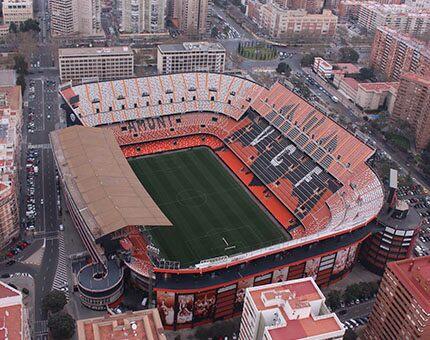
(25, 291)
(350, 335)
(61, 325)
(284, 68)
(307, 60)
(348, 55)
(13, 28)
(29, 25)
(54, 301)
(214, 32)
(21, 66)
(20, 80)
(366, 73)
(334, 298)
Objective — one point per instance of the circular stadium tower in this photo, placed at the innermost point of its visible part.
(398, 225)
(100, 285)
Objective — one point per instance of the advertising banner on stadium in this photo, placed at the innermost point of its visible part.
(312, 266)
(280, 275)
(165, 304)
(240, 293)
(185, 308)
(351, 255)
(340, 262)
(204, 305)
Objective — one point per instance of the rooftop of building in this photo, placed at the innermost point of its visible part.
(142, 325)
(298, 309)
(410, 222)
(346, 68)
(351, 82)
(7, 77)
(94, 51)
(396, 9)
(10, 312)
(422, 79)
(414, 274)
(201, 46)
(379, 87)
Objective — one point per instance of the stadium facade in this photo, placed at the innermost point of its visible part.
(307, 172)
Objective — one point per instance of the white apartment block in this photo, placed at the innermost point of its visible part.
(191, 57)
(322, 68)
(139, 16)
(75, 17)
(293, 309)
(418, 3)
(402, 18)
(17, 11)
(95, 64)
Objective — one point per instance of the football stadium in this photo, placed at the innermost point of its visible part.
(195, 186)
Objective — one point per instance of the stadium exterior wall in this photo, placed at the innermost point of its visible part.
(186, 308)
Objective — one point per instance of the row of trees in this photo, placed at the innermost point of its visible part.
(361, 291)
(345, 55)
(61, 324)
(257, 50)
(25, 26)
(21, 68)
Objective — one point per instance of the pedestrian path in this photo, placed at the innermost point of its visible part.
(35, 258)
(60, 279)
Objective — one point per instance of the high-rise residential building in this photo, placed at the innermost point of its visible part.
(75, 17)
(394, 53)
(402, 306)
(402, 18)
(292, 309)
(10, 125)
(138, 16)
(418, 3)
(143, 325)
(13, 314)
(17, 11)
(191, 57)
(311, 6)
(283, 23)
(95, 63)
(191, 16)
(413, 106)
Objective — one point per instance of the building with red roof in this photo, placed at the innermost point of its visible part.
(13, 314)
(402, 307)
(288, 310)
(142, 325)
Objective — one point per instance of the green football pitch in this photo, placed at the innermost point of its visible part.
(212, 213)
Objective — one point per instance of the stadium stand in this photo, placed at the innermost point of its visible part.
(314, 167)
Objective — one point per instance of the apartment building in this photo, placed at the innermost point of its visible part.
(376, 96)
(283, 23)
(191, 57)
(13, 314)
(402, 306)
(292, 309)
(402, 18)
(393, 54)
(75, 17)
(94, 63)
(418, 3)
(17, 11)
(413, 106)
(191, 16)
(322, 68)
(10, 141)
(311, 6)
(139, 16)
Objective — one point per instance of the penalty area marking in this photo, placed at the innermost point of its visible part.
(229, 247)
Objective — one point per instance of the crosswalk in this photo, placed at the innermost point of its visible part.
(39, 146)
(41, 330)
(60, 279)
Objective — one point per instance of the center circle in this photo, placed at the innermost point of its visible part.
(191, 197)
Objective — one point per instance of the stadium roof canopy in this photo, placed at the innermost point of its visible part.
(102, 184)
